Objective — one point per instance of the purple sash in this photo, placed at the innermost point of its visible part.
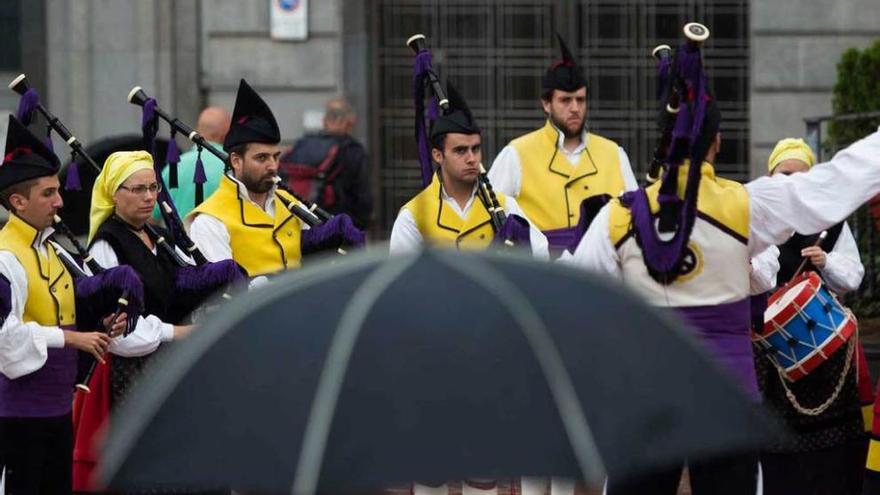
(726, 332)
(561, 239)
(46, 392)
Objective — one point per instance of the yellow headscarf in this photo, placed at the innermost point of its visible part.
(788, 149)
(118, 167)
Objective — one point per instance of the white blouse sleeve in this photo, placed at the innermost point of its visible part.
(595, 252)
(539, 244)
(843, 269)
(764, 268)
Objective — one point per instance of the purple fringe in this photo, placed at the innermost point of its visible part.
(334, 233)
(210, 277)
(172, 157)
(72, 181)
(515, 229)
(199, 176)
(27, 105)
(108, 285)
(422, 66)
(5, 298)
(663, 257)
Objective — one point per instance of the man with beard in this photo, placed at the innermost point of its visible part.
(553, 170)
(246, 218)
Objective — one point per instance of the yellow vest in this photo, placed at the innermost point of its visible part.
(261, 244)
(441, 226)
(551, 191)
(50, 297)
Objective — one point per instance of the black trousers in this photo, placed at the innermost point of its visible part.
(734, 475)
(838, 470)
(38, 453)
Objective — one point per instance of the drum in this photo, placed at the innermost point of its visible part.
(803, 326)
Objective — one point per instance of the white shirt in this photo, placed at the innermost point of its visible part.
(506, 171)
(843, 270)
(778, 205)
(149, 331)
(23, 346)
(406, 237)
(211, 235)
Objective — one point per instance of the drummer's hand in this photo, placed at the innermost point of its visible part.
(816, 255)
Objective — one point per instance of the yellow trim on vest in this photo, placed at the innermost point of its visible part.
(873, 462)
(50, 297)
(440, 225)
(551, 192)
(260, 243)
(724, 201)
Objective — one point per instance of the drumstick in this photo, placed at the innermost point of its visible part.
(821, 238)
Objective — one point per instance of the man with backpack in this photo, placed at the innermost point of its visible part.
(330, 167)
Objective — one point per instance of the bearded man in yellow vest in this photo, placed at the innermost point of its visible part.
(38, 339)
(552, 171)
(449, 212)
(246, 219)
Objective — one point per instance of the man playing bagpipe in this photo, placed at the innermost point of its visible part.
(123, 198)
(693, 255)
(825, 452)
(248, 218)
(39, 306)
(454, 210)
(553, 170)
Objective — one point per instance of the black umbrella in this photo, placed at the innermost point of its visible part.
(434, 366)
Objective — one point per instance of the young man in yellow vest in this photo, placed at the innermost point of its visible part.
(449, 212)
(38, 340)
(552, 170)
(246, 218)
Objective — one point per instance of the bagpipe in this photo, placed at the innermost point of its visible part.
(689, 119)
(194, 283)
(318, 219)
(425, 78)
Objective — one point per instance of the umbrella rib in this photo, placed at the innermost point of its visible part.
(558, 379)
(317, 429)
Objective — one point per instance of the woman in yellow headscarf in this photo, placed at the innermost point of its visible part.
(826, 452)
(123, 199)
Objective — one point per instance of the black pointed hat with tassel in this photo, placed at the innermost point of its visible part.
(456, 118)
(252, 120)
(563, 74)
(26, 156)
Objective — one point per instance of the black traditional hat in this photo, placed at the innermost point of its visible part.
(563, 74)
(252, 120)
(26, 156)
(457, 118)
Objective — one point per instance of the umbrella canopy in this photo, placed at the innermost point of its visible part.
(434, 366)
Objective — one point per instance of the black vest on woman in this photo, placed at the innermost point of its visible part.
(157, 273)
(842, 421)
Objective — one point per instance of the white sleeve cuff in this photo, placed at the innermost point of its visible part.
(54, 337)
(167, 332)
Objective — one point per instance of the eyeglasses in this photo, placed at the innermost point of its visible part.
(141, 189)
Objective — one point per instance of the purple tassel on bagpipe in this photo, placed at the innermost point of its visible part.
(72, 181)
(27, 105)
(663, 258)
(515, 229)
(199, 178)
(100, 293)
(421, 68)
(150, 127)
(5, 298)
(209, 277)
(172, 157)
(334, 233)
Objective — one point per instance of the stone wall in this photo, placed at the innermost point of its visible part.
(795, 49)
